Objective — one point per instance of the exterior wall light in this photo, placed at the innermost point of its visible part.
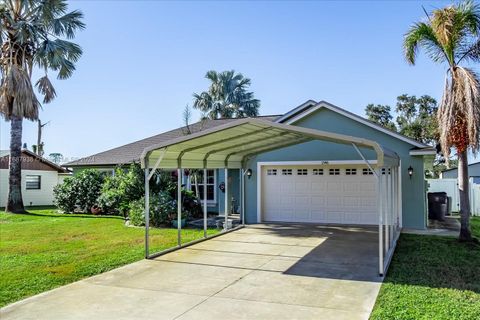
(249, 173)
(410, 172)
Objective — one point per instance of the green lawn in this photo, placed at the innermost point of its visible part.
(45, 250)
(432, 277)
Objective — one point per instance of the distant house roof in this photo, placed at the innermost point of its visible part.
(4, 154)
(470, 165)
(131, 152)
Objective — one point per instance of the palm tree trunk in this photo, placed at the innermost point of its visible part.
(465, 234)
(15, 201)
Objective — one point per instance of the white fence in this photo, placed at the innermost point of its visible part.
(450, 186)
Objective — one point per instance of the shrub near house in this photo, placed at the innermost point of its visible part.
(79, 192)
(123, 194)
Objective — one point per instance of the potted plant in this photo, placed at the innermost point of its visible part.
(174, 220)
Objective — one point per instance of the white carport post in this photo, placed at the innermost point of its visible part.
(205, 203)
(242, 193)
(380, 207)
(380, 201)
(386, 208)
(226, 200)
(179, 206)
(147, 209)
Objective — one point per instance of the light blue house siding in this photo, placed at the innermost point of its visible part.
(233, 191)
(413, 189)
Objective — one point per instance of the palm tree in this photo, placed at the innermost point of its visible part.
(451, 36)
(227, 96)
(32, 36)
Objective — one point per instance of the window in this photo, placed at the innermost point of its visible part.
(367, 171)
(302, 172)
(271, 172)
(211, 183)
(350, 172)
(318, 172)
(286, 172)
(33, 182)
(383, 171)
(334, 172)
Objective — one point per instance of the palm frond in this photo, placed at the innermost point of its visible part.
(459, 111)
(46, 89)
(422, 35)
(17, 98)
(67, 24)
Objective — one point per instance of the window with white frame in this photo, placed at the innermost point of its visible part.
(317, 172)
(286, 172)
(211, 183)
(33, 182)
(271, 172)
(302, 172)
(334, 172)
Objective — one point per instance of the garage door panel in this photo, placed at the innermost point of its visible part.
(306, 195)
(302, 187)
(319, 186)
(351, 187)
(350, 201)
(334, 186)
(318, 200)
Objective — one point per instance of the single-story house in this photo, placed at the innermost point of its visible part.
(304, 180)
(473, 172)
(39, 177)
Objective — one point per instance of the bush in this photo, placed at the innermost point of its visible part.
(63, 198)
(162, 210)
(191, 204)
(80, 191)
(120, 190)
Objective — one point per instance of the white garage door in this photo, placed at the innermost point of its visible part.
(319, 194)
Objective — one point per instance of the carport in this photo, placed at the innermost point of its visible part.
(230, 146)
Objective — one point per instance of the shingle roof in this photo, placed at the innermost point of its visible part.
(131, 152)
(60, 169)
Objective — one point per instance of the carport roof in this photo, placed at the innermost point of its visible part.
(230, 145)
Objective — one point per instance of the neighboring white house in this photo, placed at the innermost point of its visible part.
(39, 177)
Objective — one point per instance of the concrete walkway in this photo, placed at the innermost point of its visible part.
(259, 272)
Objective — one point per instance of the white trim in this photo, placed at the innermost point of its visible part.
(323, 104)
(313, 163)
(400, 212)
(301, 107)
(422, 152)
(259, 192)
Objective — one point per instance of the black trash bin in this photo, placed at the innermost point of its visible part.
(437, 205)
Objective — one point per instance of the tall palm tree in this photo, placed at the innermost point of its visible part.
(227, 96)
(451, 36)
(32, 36)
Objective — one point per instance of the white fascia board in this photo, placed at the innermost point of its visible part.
(315, 163)
(423, 152)
(356, 118)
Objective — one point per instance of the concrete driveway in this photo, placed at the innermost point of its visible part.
(259, 272)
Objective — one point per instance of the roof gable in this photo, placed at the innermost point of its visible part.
(307, 109)
(30, 161)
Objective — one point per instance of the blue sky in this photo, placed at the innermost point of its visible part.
(143, 60)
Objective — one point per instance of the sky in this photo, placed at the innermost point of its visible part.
(143, 60)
